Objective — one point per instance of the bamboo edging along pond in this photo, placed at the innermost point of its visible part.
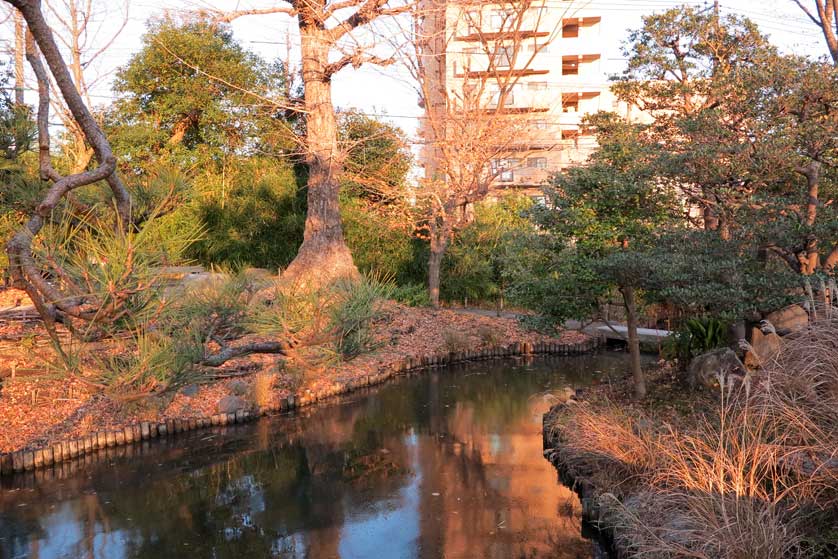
(69, 450)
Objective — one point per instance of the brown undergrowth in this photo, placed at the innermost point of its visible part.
(751, 473)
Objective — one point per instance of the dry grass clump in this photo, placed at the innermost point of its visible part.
(665, 524)
(757, 479)
(454, 341)
(608, 444)
(489, 335)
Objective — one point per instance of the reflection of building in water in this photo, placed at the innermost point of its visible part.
(498, 498)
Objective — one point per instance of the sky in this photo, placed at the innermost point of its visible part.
(386, 92)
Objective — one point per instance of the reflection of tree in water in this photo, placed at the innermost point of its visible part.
(17, 532)
(287, 487)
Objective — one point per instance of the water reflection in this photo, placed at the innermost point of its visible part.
(440, 465)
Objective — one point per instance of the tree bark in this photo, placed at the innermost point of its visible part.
(434, 266)
(630, 301)
(812, 258)
(440, 237)
(323, 257)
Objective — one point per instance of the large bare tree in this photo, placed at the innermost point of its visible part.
(334, 34)
(478, 119)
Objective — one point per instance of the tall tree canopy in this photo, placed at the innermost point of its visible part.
(193, 95)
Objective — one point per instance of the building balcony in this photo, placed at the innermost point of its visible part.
(488, 36)
(502, 72)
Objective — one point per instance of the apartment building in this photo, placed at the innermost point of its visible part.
(537, 65)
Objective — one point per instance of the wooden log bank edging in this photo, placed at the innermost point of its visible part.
(68, 450)
(594, 509)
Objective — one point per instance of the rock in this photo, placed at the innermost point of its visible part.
(258, 274)
(788, 319)
(564, 394)
(764, 347)
(201, 280)
(239, 387)
(230, 404)
(189, 390)
(706, 368)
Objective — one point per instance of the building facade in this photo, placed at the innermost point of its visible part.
(536, 67)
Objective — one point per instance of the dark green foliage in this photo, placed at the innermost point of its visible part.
(412, 294)
(18, 131)
(191, 95)
(377, 159)
(376, 222)
(704, 275)
(598, 220)
(251, 214)
(381, 243)
(696, 336)
(476, 264)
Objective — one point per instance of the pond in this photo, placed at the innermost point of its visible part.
(446, 464)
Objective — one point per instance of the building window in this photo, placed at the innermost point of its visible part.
(570, 65)
(570, 103)
(537, 162)
(473, 23)
(508, 99)
(502, 20)
(540, 124)
(570, 30)
(471, 56)
(502, 57)
(503, 168)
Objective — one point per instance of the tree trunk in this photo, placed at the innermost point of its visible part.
(811, 263)
(434, 265)
(20, 55)
(323, 257)
(439, 242)
(629, 298)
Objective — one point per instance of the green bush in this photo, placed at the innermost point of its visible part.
(148, 363)
(412, 295)
(357, 305)
(696, 336)
(252, 214)
(381, 244)
(475, 265)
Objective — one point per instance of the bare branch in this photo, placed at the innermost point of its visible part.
(228, 353)
(221, 16)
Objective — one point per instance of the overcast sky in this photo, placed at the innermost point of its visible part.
(380, 91)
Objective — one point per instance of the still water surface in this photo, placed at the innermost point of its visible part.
(442, 465)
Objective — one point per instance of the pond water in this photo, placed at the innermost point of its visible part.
(446, 464)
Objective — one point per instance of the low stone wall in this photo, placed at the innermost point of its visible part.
(94, 442)
(593, 509)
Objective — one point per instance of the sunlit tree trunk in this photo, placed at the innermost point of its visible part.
(323, 256)
(438, 245)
